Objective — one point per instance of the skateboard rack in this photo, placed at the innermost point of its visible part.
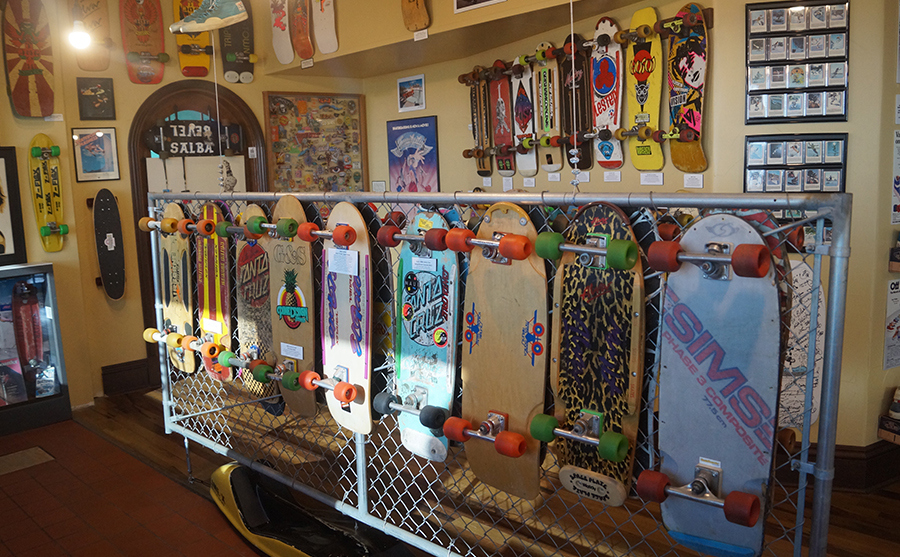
(442, 508)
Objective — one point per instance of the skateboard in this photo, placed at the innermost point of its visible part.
(597, 363)
(415, 15)
(26, 315)
(281, 34)
(719, 375)
(95, 16)
(606, 79)
(501, 119)
(504, 362)
(576, 114)
(46, 192)
(29, 58)
(323, 23)
(426, 337)
(479, 103)
(110, 247)
(522, 92)
(236, 44)
(687, 59)
(643, 62)
(546, 113)
(300, 37)
(142, 40)
(213, 289)
(194, 49)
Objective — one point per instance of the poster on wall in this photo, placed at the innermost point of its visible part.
(892, 326)
(411, 93)
(466, 5)
(412, 155)
(96, 155)
(96, 99)
(895, 189)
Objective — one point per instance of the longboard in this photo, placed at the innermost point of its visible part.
(110, 247)
(214, 292)
(177, 289)
(194, 49)
(281, 34)
(142, 40)
(46, 192)
(501, 120)
(29, 58)
(323, 24)
(300, 36)
(644, 66)
(576, 114)
(522, 92)
(546, 111)
(607, 61)
(479, 106)
(26, 316)
(95, 16)
(236, 44)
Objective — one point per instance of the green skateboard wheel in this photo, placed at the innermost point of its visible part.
(286, 228)
(45, 231)
(613, 446)
(254, 225)
(621, 254)
(291, 381)
(222, 229)
(547, 245)
(542, 427)
(261, 373)
(225, 358)
(64, 229)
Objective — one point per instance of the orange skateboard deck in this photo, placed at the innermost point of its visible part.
(142, 40)
(300, 26)
(29, 58)
(95, 16)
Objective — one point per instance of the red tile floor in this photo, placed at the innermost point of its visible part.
(95, 500)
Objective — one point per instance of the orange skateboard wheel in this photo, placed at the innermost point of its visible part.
(255, 363)
(458, 239)
(144, 224)
(397, 218)
(668, 231)
(795, 239)
(210, 349)
(186, 343)
(455, 429)
(515, 246)
(651, 486)
(742, 508)
(305, 231)
(751, 260)
(663, 256)
(306, 380)
(183, 226)
(510, 444)
(436, 239)
(386, 235)
(555, 141)
(206, 227)
(344, 235)
(345, 392)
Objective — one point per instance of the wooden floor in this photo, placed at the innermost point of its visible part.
(861, 525)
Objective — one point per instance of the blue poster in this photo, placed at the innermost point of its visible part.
(412, 155)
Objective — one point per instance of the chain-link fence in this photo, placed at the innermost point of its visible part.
(441, 507)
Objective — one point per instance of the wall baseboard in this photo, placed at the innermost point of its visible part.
(125, 377)
(856, 469)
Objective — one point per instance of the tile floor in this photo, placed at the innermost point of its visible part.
(96, 500)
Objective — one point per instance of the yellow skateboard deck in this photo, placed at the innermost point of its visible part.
(46, 192)
(644, 65)
(193, 49)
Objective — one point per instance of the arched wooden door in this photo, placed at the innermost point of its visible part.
(185, 95)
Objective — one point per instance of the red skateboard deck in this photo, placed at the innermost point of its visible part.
(29, 58)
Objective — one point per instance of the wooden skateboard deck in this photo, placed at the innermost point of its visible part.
(194, 63)
(574, 75)
(281, 33)
(644, 65)
(236, 44)
(347, 319)
(522, 92)
(606, 78)
(504, 363)
(214, 292)
(177, 290)
(26, 316)
(95, 15)
(479, 104)
(142, 40)
(323, 24)
(501, 119)
(292, 315)
(300, 36)
(415, 15)
(46, 192)
(546, 112)
(29, 58)
(688, 60)
(110, 247)
(597, 363)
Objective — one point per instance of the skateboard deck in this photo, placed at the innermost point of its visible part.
(688, 59)
(281, 34)
(46, 192)
(347, 319)
(522, 92)
(110, 248)
(479, 104)
(504, 363)
(323, 23)
(29, 58)
(546, 113)
(597, 363)
(427, 333)
(300, 36)
(214, 292)
(501, 119)
(142, 40)
(576, 115)
(95, 15)
(194, 49)
(26, 315)
(177, 290)
(606, 78)
(720, 371)
(293, 309)
(236, 44)
(644, 64)
(415, 15)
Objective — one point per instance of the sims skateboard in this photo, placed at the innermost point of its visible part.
(194, 49)
(142, 40)
(415, 15)
(95, 16)
(213, 289)
(501, 119)
(281, 34)
(300, 12)
(718, 386)
(236, 44)
(425, 341)
(46, 192)
(110, 247)
(504, 361)
(479, 103)
(522, 93)
(576, 114)
(29, 335)
(29, 58)
(597, 362)
(607, 60)
(546, 108)
(323, 23)
(643, 62)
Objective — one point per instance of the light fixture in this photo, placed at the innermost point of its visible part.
(79, 37)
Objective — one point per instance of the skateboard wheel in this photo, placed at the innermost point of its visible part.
(668, 231)
(663, 256)
(621, 37)
(549, 54)
(458, 239)
(183, 226)
(63, 229)
(795, 239)
(436, 239)
(613, 446)
(382, 403)
(286, 228)
(621, 254)
(254, 225)
(515, 246)
(186, 343)
(46, 231)
(169, 226)
(569, 48)
(455, 429)
(144, 224)
(742, 508)
(644, 31)
(206, 227)
(173, 340)
(148, 335)
(261, 372)
(547, 245)
(345, 392)
(556, 141)
(644, 133)
(691, 19)
(225, 358)
(651, 486)
(222, 229)
(250, 235)
(210, 349)
(306, 379)
(620, 134)
(659, 29)
(54, 151)
(397, 218)
(542, 427)
(162, 57)
(386, 234)
(433, 417)
(787, 438)
(687, 135)
(751, 260)
(305, 231)
(36, 152)
(468, 153)
(291, 381)
(256, 363)
(253, 58)
(658, 136)
(510, 444)
(344, 235)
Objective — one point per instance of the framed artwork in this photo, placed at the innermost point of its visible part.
(96, 99)
(466, 5)
(96, 154)
(413, 155)
(411, 93)
(315, 141)
(12, 234)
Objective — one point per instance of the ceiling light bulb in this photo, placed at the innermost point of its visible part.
(79, 37)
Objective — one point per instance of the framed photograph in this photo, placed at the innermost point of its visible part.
(837, 73)
(831, 180)
(834, 151)
(777, 48)
(777, 77)
(776, 105)
(96, 154)
(757, 50)
(793, 180)
(797, 76)
(814, 104)
(775, 153)
(411, 93)
(816, 46)
(793, 152)
(812, 179)
(794, 105)
(813, 152)
(413, 155)
(758, 21)
(798, 48)
(815, 75)
(834, 102)
(836, 45)
(757, 78)
(818, 18)
(12, 233)
(837, 15)
(797, 18)
(756, 153)
(756, 106)
(96, 100)
(460, 6)
(756, 180)
(774, 180)
(778, 20)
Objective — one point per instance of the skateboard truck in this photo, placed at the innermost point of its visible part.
(681, 26)
(342, 235)
(619, 254)
(501, 249)
(588, 429)
(747, 260)
(54, 228)
(740, 508)
(241, 57)
(434, 239)
(415, 403)
(637, 35)
(641, 131)
(204, 227)
(168, 226)
(477, 153)
(684, 135)
(493, 429)
(526, 144)
(195, 49)
(343, 391)
(261, 370)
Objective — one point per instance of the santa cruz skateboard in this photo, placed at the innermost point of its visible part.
(575, 102)
(522, 92)
(425, 342)
(501, 119)
(415, 15)
(281, 34)
(546, 111)
(95, 16)
(46, 192)
(479, 103)
(194, 49)
(719, 376)
(142, 40)
(644, 65)
(597, 363)
(213, 289)
(323, 23)
(29, 58)
(299, 11)
(606, 82)
(110, 248)
(688, 51)
(236, 44)
(504, 362)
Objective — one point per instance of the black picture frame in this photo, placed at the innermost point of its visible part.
(11, 227)
(96, 98)
(96, 154)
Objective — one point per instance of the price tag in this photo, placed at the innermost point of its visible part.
(612, 176)
(343, 261)
(553, 177)
(651, 178)
(507, 183)
(693, 181)
(424, 264)
(212, 326)
(291, 351)
(528, 182)
(486, 182)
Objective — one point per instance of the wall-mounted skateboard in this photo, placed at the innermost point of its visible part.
(479, 105)
(236, 44)
(194, 49)
(110, 247)
(95, 16)
(29, 58)
(142, 40)
(46, 192)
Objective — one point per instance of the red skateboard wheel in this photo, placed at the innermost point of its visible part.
(742, 508)
(668, 231)
(386, 236)
(344, 235)
(305, 231)
(651, 486)
(455, 429)
(436, 239)
(751, 260)
(458, 239)
(510, 444)
(663, 256)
